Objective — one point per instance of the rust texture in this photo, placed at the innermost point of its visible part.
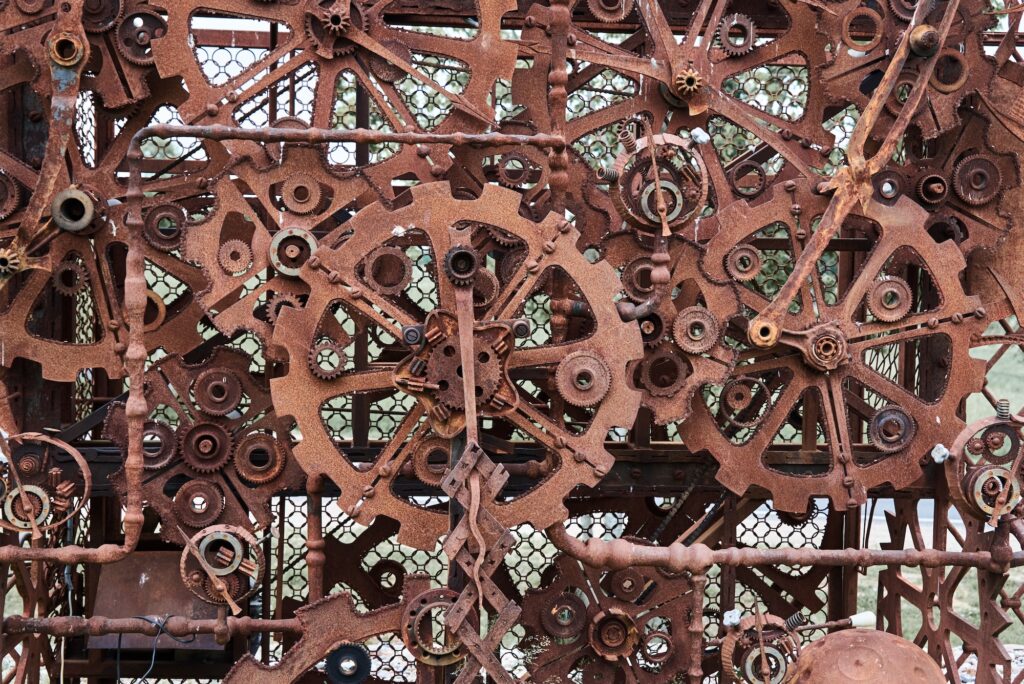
(599, 341)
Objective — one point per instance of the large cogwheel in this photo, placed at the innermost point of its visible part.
(873, 361)
(401, 356)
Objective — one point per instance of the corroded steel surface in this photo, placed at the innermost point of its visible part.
(478, 340)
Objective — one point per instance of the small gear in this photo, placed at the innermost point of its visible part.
(335, 17)
(653, 328)
(99, 16)
(889, 299)
(738, 395)
(259, 458)
(278, 301)
(695, 330)
(198, 503)
(688, 82)
(163, 227)
(25, 505)
(976, 180)
(135, 33)
(737, 34)
(891, 429)
(217, 391)
(325, 24)
(69, 278)
(388, 270)
(30, 6)
(158, 445)
(301, 193)
(234, 257)
(583, 379)
(748, 179)
(904, 9)
(233, 586)
(206, 447)
(610, 11)
(566, 619)
(460, 265)
(627, 584)
(335, 355)
(743, 263)
(636, 279)
(514, 169)
(430, 453)
(10, 195)
(614, 634)
(932, 189)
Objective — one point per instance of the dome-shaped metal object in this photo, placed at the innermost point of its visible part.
(865, 655)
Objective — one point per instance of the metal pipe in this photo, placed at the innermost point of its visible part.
(315, 136)
(619, 554)
(175, 625)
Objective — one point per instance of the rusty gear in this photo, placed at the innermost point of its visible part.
(10, 195)
(70, 278)
(977, 180)
(514, 169)
(743, 263)
(890, 299)
(136, 32)
(199, 503)
(757, 642)
(460, 265)
(99, 16)
(217, 391)
(159, 444)
(664, 373)
(430, 460)
(327, 360)
(259, 458)
(301, 193)
(583, 379)
(234, 257)
(737, 34)
(610, 11)
(442, 291)
(206, 447)
(164, 226)
(695, 330)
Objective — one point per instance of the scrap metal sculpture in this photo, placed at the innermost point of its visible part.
(479, 340)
